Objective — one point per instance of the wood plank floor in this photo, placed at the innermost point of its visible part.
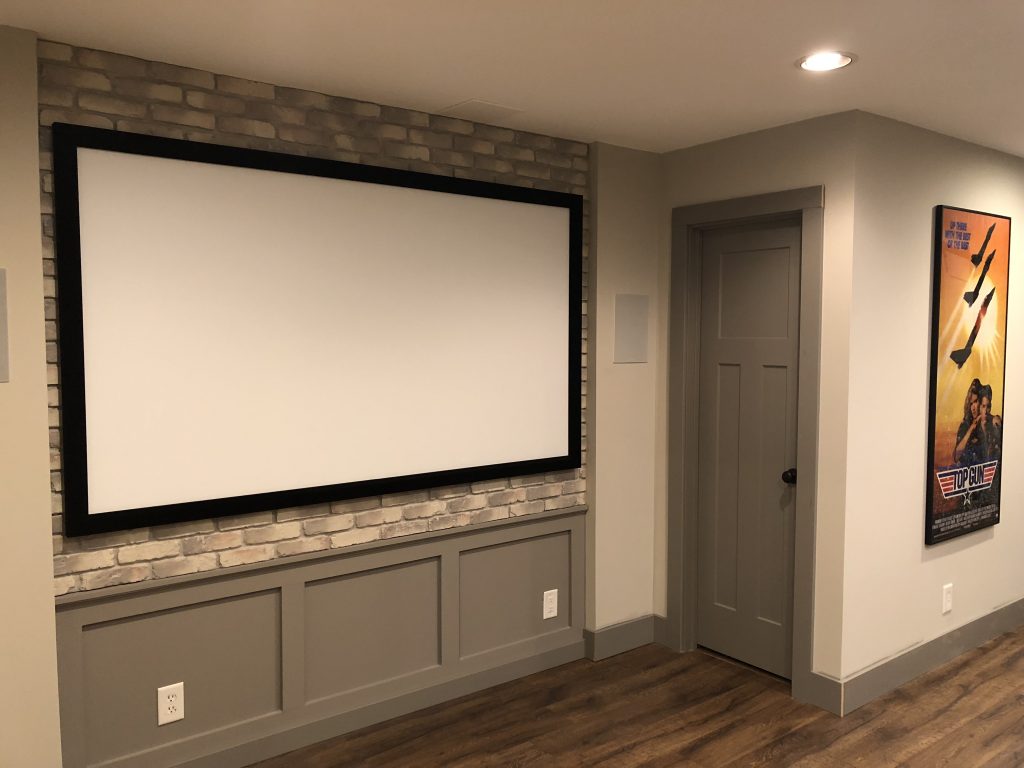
(653, 708)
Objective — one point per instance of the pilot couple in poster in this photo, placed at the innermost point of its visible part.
(979, 438)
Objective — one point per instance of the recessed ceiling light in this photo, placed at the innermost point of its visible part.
(825, 61)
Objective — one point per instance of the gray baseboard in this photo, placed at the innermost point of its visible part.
(619, 638)
(901, 669)
(311, 733)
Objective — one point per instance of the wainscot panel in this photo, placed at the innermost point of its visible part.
(278, 655)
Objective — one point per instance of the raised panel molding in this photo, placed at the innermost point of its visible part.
(277, 656)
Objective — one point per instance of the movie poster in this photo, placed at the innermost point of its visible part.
(969, 302)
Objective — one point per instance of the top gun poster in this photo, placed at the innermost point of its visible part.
(969, 302)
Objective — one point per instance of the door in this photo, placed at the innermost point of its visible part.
(750, 298)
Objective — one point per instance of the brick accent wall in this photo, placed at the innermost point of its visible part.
(88, 87)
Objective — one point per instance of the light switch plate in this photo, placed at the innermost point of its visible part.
(5, 365)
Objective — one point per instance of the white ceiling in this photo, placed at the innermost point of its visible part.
(649, 74)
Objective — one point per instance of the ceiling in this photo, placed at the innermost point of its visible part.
(648, 74)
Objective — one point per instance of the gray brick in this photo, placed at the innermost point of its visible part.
(55, 97)
(434, 168)
(111, 105)
(580, 164)
(405, 116)
(534, 141)
(407, 151)
(332, 121)
(553, 159)
(356, 143)
(182, 75)
(355, 536)
(355, 505)
(509, 496)
(192, 528)
(489, 485)
(374, 517)
(526, 508)
(354, 107)
(125, 574)
(182, 116)
(142, 89)
(474, 145)
(303, 546)
(577, 148)
(302, 513)
(246, 127)
(405, 528)
(46, 49)
(245, 555)
(299, 135)
(51, 116)
(275, 532)
(114, 63)
(304, 99)
(444, 522)
(330, 524)
(409, 497)
(242, 87)
(389, 132)
(115, 539)
(451, 124)
(448, 157)
(533, 170)
(494, 134)
(513, 152)
(487, 515)
(212, 542)
(467, 503)
(426, 509)
(576, 178)
(150, 550)
(431, 138)
(275, 113)
(214, 102)
(181, 566)
(57, 75)
(151, 129)
(563, 502)
(518, 482)
(65, 585)
(449, 491)
(573, 486)
(243, 521)
(83, 561)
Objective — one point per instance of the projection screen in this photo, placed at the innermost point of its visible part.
(244, 330)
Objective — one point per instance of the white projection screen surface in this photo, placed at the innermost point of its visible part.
(248, 332)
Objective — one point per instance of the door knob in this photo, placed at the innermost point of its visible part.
(789, 476)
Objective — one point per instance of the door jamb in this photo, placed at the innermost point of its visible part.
(688, 222)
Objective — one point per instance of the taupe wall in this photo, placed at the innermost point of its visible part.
(79, 85)
(627, 486)
(892, 597)
(28, 706)
(277, 655)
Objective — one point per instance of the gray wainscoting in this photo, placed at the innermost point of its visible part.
(277, 656)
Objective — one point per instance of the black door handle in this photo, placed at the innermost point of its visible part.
(789, 476)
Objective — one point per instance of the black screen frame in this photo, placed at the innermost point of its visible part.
(68, 139)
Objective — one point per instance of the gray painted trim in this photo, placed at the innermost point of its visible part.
(684, 352)
(300, 721)
(661, 630)
(893, 673)
(618, 638)
(76, 598)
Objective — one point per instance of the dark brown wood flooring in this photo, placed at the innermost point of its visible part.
(651, 707)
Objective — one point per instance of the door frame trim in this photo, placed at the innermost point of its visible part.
(688, 223)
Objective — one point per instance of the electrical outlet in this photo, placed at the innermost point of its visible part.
(551, 604)
(170, 703)
(947, 598)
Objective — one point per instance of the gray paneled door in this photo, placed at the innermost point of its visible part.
(750, 298)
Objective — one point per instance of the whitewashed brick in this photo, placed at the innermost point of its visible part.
(355, 536)
(212, 542)
(151, 550)
(543, 491)
(83, 561)
(526, 508)
(245, 555)
(65, 584)
(405, 528)
(181, 566)
(467, 503)
(302, 546)
(267, 533)
(302, 513)
(426, 509)
(125, 574)
(330, 524)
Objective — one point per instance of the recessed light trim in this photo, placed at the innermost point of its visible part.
(825, 61)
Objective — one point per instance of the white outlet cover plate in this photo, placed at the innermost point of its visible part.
(551, 604)
(170, 703)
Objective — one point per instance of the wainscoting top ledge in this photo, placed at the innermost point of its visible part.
(78, 598)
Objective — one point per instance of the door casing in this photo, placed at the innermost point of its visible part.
(688, 223)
